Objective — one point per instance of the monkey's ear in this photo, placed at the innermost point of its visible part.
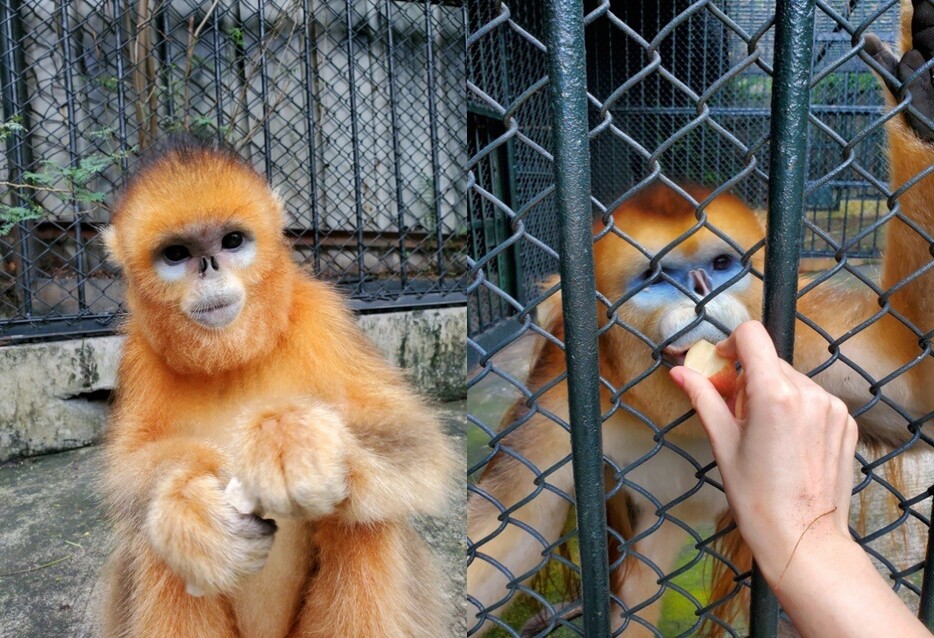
(114, 256)
(280, 202)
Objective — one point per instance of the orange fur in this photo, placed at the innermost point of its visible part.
(292, 401)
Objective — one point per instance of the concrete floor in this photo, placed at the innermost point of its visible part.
(54, 541)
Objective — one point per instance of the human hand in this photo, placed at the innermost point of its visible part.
(787, 467)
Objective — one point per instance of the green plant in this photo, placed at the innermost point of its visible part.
(68, 181)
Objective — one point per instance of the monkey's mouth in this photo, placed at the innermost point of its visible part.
(674, 356)
(217, 312)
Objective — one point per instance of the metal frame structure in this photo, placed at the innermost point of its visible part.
(555, 118)
(354, 111)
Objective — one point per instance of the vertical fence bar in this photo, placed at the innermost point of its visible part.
(121, 92)
(218, 81)
(355, 135)
(13, 95)
(396, 154)
(264, 87)
(926, 608)
(433, 131)
(70, 100)
(311, 84)
(164, 59)
(564, 23)
(791, 82)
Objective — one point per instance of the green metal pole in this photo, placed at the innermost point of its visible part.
(568, 83)
(791, 80)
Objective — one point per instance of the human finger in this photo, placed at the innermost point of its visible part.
(714, 414)
(753, 347)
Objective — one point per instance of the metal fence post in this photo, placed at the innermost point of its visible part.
(568, 82)
(794, 37)
(13, 96)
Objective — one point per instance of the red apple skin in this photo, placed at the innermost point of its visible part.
(703, 357)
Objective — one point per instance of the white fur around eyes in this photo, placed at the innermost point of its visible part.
(170, 272)
(245, 255)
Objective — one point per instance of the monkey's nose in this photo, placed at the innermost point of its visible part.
(700, 282)
(205, 261)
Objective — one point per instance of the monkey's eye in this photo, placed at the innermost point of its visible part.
(647, 275)
(232, 240)
(722, 262)
(175, 253)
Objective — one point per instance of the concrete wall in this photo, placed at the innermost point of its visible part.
(53, 396)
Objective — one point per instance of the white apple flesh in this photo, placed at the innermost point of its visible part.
(703, 357)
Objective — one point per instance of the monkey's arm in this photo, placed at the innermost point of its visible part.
(168, 489)
(401, 462)
(356, 442)
(381, 456)
(897, 339)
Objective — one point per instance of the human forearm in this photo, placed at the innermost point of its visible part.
(830, 589)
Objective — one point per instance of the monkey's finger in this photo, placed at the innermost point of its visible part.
(922, 27)
(886, 59)
(722, 428)
(194, 590)
(238, 497)
(921, 90)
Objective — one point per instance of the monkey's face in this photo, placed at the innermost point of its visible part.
(705, 271)
(206, 263)
(198, 234)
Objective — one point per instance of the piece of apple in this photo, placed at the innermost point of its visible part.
(703, 357)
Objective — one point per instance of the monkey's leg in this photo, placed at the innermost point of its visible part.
(635, 582)
(515, 517)
(157, 604)
(372, 580)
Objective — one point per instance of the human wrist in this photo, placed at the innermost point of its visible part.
(819, 547)
(776, 548)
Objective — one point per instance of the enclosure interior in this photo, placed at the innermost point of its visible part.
(354, 110)
(677, 91)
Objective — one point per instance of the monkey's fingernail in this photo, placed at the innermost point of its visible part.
(194, 590)
(238, 497)
(269, 525)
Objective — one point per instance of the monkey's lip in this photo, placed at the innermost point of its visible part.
(216, 313)
(674, 356)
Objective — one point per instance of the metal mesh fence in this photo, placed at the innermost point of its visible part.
(676, 92)
(354, 110)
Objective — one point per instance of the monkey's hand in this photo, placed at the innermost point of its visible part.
(196, 529)
(293, 460)
(902, 79)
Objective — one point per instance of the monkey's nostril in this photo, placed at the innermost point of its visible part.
(701, 282)
(214, 263)
(203, 266)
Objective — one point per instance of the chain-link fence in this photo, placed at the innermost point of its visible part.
(674, 94)
(353, 109)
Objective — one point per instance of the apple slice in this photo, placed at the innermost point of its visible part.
(703, 357)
